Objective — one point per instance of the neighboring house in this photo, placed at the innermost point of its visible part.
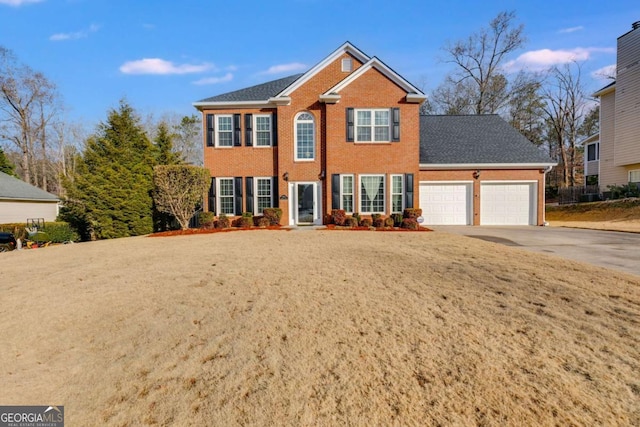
(20, 201)
(591, 159)
(618, 145)
(347, 134)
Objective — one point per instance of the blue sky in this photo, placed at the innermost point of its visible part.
(163, 55)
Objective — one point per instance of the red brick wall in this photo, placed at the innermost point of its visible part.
(489, 175)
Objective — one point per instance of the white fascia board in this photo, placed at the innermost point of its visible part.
(605, 90)
(283, 100)
(593, 138)
(330, 98)
(345, 48)
(386, 71)
(448, 166)
(232, 104)
(415, 98)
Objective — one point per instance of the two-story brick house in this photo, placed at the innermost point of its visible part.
(347, 134)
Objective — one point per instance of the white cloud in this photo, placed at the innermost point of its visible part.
(543, 59)
(571, 29)
(75, 35)
(17, 3)
(214, 80)
(604, 73)
(285, 68)
(160, 66)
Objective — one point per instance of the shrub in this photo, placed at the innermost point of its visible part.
(378, 222)
(338, 216)
(389, 222)
(263, 222)
(60, 232)
(397, 219)
(410, 224)
(412, 213)
(273, 215)
(223, 221)
(366, 222)
(245, 221)
(375, 217)
(351, 222)
(206, 219)
(356, 215)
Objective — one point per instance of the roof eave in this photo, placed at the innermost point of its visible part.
(458, 166)
(605, 90)
(268, 103)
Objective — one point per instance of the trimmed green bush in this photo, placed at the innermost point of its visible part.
(389, 222)
(273, 215)
(206, 219)
(397, 219)
(410, 224)
(366, 222)
(351, 222)
(356, 215)
(412, 213)
(375, 216)
(263, 222)
(378, 221)
(60, 232)
(245, 221)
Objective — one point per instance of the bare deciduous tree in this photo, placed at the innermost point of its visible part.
(179, 189)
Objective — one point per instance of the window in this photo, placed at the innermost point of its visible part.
(224, 134)
(226, 196)
(372, 194)
(263, 130)
(263, 194)
(634, 175)
(347, 65)
(305, 143)
(346, 193)
(397, 193)
(593, 152)
(372, 125)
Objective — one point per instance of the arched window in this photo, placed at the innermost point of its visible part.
(305, 137)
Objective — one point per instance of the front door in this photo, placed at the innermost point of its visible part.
(305, 211)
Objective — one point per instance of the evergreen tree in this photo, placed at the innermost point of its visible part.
(111, 192)
(5, 164)
(164, 147)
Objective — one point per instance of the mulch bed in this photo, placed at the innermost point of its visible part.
(340, 228)
(192, 231)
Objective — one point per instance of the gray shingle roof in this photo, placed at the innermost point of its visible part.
(15, 189)
(481, 139)
(261, 92)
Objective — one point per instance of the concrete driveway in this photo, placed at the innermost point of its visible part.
(610, 249)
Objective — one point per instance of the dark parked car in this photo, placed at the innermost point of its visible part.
(7, 242)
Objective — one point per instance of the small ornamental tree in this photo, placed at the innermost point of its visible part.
(179, 189)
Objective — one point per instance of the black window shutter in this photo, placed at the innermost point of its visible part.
(274, 129)
(248, 182)
(335, 191)
(408, 191)
(237, 184)
(248, 130)
(237, 131)
(275, 193)
(210, 130)
(395, 125)
(350, 126)
(212, 196)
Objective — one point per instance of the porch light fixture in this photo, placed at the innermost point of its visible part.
(321, 175)
(285, 176)
(476, 174)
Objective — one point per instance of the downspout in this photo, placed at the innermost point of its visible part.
(544, 195)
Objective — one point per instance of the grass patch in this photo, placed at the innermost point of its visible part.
(613, 210)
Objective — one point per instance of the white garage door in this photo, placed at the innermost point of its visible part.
(446, 204)
(507, 204)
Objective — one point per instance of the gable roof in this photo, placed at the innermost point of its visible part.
(258, 93)
(474, 141)
(12, 188)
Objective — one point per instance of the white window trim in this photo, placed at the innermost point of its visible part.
(384, 193)
(295, 137)
(353, 195)
(255, 193)
(255, 130)
(391, 193)
(217, 130)
(372, 126)
(630, 172)
(597, 145)
(219, 197)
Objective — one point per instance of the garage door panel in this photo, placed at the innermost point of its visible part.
(507, 204)
(445, 203)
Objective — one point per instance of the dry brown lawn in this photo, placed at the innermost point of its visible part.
(613, 215)
(318, 328)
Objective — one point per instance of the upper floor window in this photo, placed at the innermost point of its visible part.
(593, 152)
(224, 130)
(305, 141)
(263, 130)
(373, 124)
